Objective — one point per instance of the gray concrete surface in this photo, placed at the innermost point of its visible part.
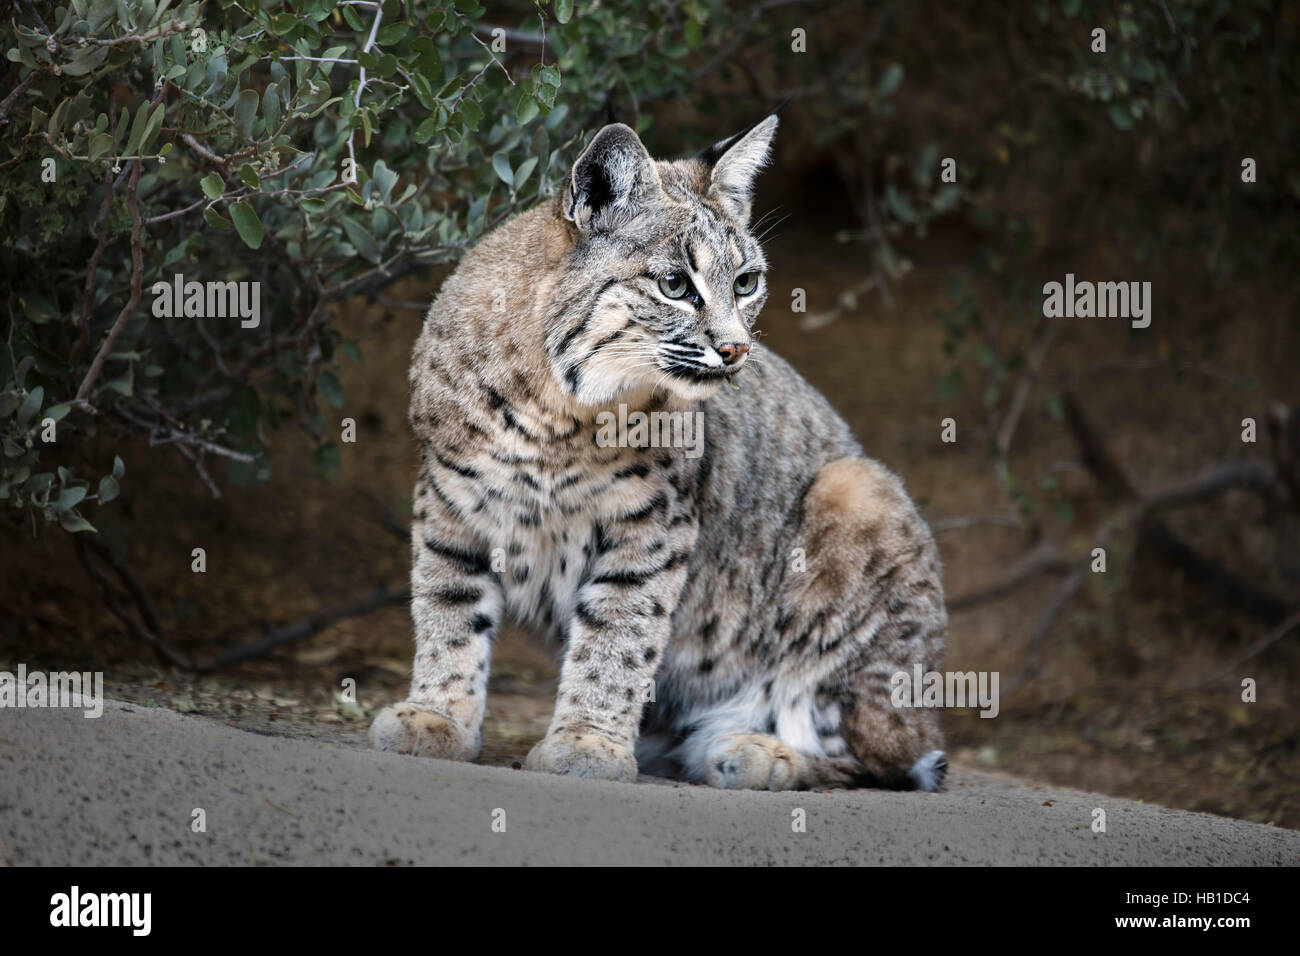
(121, 790)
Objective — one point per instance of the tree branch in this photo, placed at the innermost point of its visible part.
(137, 269)
(147, 630)
(304, 627)
(1262, 644)
(101, 240)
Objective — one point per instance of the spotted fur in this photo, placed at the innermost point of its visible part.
(761, 592)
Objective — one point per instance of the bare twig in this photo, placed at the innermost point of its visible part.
(303, 628)
(408, 304)
(7, 103)
(1212, 482)
(189, 140)
(146, 628)
(1204, 369)
(941, 525)
(137, 269)
(1260, 645)
(1044, 559)
(101, 240)
(1033, 659)
(1033, 366)
(1093, 452)
(494, 58)
(846, 301)
(161, 433)
(514, 36)
(361, 85)
(197, 461)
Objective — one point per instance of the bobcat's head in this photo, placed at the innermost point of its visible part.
(663, 279)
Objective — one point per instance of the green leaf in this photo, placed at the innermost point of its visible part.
(108, 489)
(899, 205)
(137, 130)
(430, 62)
(694, 34)
(125, 384)
(246, 112)
(212, 185)
(247, 224)
(522, 173)
(384, 179)
(326, 458)
(119, 467)
(85, 61)
(354, 18)
(526, 110)
(563, 10)
(249, 176)
(74, 522)
(69, 498)
(215, 219)
(392, 34)
(361, 239)
(282, 23)
(426, 130)
(951, 382)
(152, 127)
(501, 163)
(946, 198)
(332, 53)
(423, 91)
(31, 405)
(889, 80)
(100, 144)
(330, 388)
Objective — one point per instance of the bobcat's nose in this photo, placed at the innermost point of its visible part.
(732, 352)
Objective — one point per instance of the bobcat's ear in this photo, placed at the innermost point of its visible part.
(736, 161)
(611, 180)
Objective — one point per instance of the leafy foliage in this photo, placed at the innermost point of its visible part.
(321, 149)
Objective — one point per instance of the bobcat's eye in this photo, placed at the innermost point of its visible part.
(674, 285)
(745, 283)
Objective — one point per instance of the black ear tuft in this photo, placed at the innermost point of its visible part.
(711, 154)
(734, 164)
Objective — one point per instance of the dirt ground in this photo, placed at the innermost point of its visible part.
(1107, 712)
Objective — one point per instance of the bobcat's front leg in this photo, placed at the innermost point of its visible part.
(616, 638)
(456, 605)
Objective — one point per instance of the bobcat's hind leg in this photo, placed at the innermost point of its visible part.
(874, 571)
(898, 748)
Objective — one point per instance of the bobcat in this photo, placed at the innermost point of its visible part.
(731, 615)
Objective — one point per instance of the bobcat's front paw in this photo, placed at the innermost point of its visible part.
(583, 754)
(409, 728)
